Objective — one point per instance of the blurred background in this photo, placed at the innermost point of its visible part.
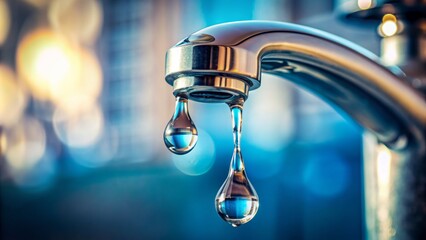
(83, 106)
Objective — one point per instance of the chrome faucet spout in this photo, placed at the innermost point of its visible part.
(224, 62)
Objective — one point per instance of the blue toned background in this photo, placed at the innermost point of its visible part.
(83, 105)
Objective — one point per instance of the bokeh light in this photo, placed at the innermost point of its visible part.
(200, 159)
(24, 145)
(53, 69)
(389, 28)
(4, 21)
(389, 25)
(80, 128)
(79, 20)
(44, 61)
(365, 4)
(12, 97)
(390, 51)
(384, 158)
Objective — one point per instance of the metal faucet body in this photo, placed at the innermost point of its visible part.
(224, 62)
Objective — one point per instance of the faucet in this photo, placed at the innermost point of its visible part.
(223, 63)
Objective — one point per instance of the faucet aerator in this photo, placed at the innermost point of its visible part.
(211, 89)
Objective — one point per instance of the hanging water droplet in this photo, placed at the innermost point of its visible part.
(180, 135)
(237, 201)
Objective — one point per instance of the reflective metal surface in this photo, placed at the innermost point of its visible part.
(235, 55)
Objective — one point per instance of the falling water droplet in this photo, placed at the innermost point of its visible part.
(180, 135)
(237, 201)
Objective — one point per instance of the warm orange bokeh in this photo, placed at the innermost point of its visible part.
(56, 70)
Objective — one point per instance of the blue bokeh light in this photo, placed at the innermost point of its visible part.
(200, 159)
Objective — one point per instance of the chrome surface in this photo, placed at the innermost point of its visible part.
(232, 59)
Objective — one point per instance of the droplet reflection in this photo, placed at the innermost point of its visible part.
(180, 135)
(237, 201)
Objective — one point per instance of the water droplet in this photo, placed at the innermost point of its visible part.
(180, 135)
(237, 201)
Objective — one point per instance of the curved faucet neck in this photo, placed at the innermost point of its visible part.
(339, 71)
